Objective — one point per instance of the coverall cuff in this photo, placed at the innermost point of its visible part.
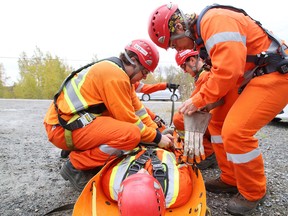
(198, 101)
(158, 137)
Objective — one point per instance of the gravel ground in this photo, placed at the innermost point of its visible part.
(30, 182)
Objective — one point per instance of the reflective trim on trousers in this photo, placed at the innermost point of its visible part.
(216, 139)
(243, 158)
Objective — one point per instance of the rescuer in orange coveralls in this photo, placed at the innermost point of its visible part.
(249, 70)
(97, 114)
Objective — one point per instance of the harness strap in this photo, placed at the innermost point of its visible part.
(77, 121)
(159, 172)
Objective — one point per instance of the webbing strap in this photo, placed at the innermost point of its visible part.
(74, 123)
(62, 122)
(159, 172)
(199, 40)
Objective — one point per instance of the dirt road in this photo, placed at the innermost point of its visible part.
(30, 182)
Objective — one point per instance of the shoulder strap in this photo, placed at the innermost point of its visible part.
(199, 40)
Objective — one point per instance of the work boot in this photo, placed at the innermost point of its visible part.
(78, 178)
(238, 205)
(65, 153)
(208, 162)
(218, 186)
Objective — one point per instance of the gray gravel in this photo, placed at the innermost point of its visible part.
(30, 182)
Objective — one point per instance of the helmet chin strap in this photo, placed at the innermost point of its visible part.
(136, 68)
(187, 33)
(194, 68)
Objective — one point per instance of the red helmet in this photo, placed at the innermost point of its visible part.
(141, 195)
(182, 55)
(146, 51)
(158, 27)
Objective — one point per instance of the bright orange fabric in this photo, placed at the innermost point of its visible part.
(149, 88)
(245, 114)
(109, 84)
(152, 115)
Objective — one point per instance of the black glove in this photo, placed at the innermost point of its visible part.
(159, 121)
(173, 86)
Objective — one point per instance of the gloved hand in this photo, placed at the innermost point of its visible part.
(195, 126)
(173, 86)
(159, 121)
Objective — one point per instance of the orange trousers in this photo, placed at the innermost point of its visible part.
(233, 126)
(178, 121)
(102, 139)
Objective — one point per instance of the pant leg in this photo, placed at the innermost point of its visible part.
(215, 127)
(262, 99)
(99, 140)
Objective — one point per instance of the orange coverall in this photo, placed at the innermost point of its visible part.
(229, 37)
(116, 130)
(178, 177)
(178, 119)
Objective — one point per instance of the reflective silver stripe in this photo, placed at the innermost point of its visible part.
(117, 175)
(110, 150)
(273, 47)
(243, 158)
(216, 139)
(141, 112)
(139, 88)
(173, 178)
(140, 125)
(224, 37)
(72, 90)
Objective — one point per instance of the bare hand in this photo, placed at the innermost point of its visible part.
(187, 107)
(166, 141)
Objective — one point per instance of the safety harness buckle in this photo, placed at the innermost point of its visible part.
(86, 118)
(262, 59)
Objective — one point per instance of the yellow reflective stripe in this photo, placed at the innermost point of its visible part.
(68, 139)
(68, 134)
(72, 94)
(172, 176)
(83, 101)
(143, 116)
(111, 182)
(140, 125)
(70, 104)
(117, 176)
(94, 210)
(141, 113)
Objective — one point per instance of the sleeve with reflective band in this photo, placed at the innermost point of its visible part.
(104, 82)
(146, 124)
(179, 181)
(149, 88)
(228, 37)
